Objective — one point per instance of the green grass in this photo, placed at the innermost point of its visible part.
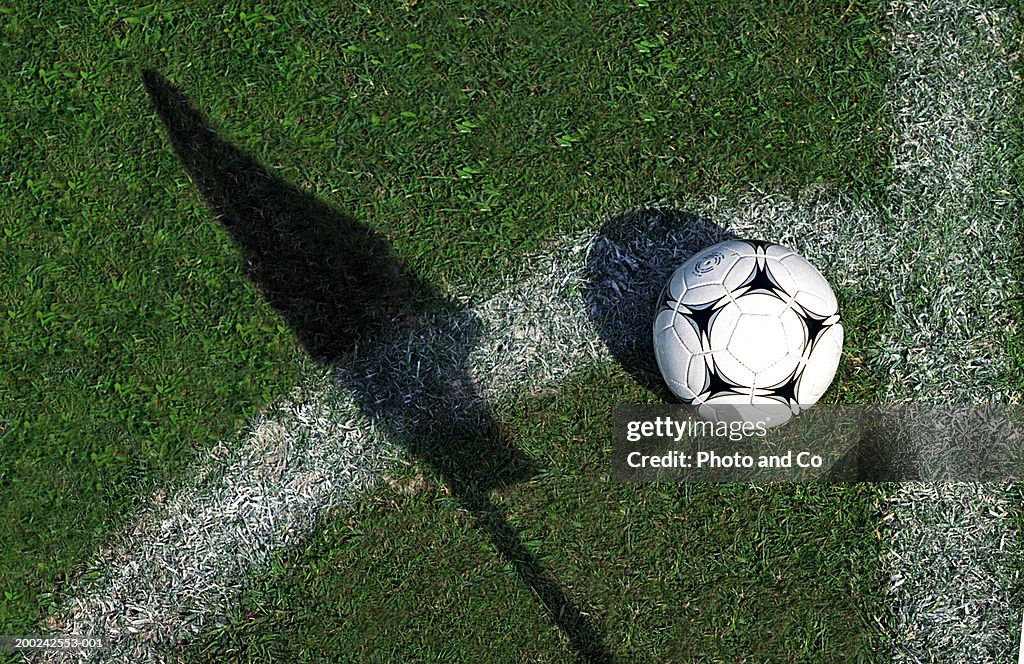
(467, 136)
(856, 381)
(678, 572)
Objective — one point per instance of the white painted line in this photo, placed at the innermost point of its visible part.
(177, 569)
(954, 219)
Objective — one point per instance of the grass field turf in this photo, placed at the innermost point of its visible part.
(557, 158)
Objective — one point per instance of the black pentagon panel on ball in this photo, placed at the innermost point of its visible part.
(665, 299)
(814, 325)
(761, 280)
(785, 391)
(700, 318)
(718, 384)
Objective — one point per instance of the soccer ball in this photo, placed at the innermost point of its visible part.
(748, 330)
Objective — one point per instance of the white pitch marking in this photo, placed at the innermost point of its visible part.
(954, 89)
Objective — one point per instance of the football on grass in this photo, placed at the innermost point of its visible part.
(748, 330)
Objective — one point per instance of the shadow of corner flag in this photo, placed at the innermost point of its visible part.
(337, 283)
(333, 279)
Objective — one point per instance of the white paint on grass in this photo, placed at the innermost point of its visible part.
(175, 570)
(952, 557)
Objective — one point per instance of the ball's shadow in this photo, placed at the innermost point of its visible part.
(628, 266)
